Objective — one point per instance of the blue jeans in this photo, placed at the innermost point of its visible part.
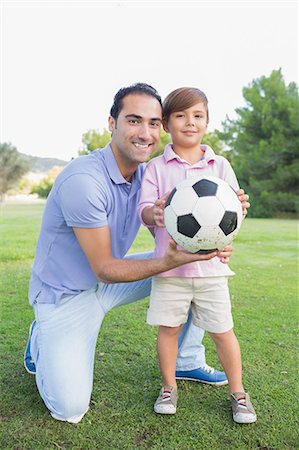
(64, 339)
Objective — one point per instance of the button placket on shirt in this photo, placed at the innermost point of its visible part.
(193, 171)
(130, 193)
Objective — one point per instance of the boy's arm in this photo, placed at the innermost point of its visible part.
(154, 215)
(230, 177)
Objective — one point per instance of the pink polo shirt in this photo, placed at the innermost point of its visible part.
(161, 175)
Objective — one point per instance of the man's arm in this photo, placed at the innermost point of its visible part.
(95, 243)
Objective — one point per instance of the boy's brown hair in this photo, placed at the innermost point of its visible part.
(181, 99)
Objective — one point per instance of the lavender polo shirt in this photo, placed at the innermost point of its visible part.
(162, 175)
(89, 193)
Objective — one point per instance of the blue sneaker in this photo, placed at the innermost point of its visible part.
(28, 362)
(205, 374)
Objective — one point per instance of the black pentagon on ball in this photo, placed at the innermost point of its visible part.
(205, 252)
(205, 188)
(229, 222)
(170, 197)
(188, 225)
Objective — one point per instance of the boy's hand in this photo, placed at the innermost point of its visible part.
(158, 210)
(244, 200)
(225, 254)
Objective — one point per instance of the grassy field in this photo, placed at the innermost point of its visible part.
(264, 296)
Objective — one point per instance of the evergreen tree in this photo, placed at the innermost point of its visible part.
(265, 141)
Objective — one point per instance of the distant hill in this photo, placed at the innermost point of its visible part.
(37, 164)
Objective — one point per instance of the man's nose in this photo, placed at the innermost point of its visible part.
(144, 131)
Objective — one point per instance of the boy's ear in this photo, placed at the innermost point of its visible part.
(165, 127)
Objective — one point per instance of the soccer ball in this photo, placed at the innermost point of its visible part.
(203, 214)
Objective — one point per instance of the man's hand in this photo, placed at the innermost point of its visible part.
(175, 257)
(184, 257)
(244, 200)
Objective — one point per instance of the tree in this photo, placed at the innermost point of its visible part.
(264, 140)
(45, 185)
(94, 139)
(43, 188)
(12, 167)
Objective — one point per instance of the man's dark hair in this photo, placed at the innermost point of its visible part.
(137, 88)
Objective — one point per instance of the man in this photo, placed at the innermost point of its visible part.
(89, 224)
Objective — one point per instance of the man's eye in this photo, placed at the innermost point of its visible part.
(133, 121)
(155, 124)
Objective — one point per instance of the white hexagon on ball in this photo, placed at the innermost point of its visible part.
(184, 201)
(208, 211)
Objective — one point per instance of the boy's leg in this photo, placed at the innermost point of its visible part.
(228, 350)
(229, 354)
(167, 347)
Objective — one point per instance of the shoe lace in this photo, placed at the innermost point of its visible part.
(208, 369)
(166, 393)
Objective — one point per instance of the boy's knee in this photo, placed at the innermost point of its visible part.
(221, 336)
(170, 331)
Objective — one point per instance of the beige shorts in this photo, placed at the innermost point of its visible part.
(171, 298)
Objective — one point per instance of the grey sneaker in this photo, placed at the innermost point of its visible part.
(243, 411)
(167, 401)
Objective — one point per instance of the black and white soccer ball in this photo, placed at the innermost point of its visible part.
(203, 214)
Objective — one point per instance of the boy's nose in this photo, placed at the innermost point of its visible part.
(190, 121)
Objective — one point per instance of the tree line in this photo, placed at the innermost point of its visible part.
(261, 143)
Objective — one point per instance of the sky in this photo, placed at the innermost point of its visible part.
(63, 62)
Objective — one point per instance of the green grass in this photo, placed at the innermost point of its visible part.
(264, 296)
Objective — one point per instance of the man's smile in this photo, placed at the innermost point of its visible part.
(139, 145)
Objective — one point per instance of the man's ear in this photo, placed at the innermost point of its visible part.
(111, 124)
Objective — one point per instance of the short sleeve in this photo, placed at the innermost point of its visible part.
(229, 175)
(83, 202)
(149, 191)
